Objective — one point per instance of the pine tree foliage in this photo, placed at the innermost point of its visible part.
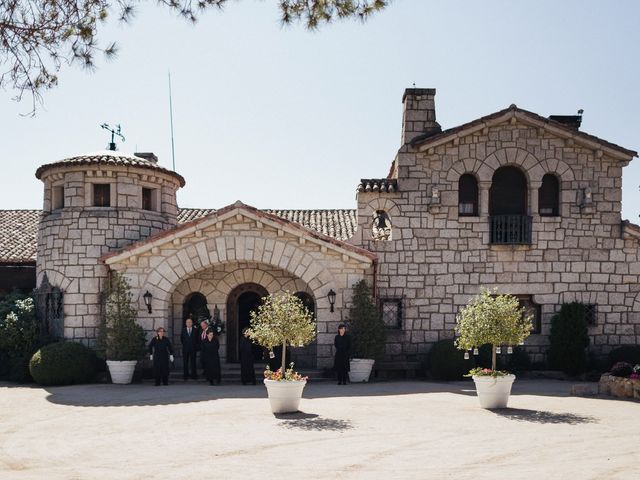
(38, 37)
(120, 337)
(365, 323)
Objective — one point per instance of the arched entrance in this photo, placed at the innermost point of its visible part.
(306, 356)
(195, 305)
(241, 302)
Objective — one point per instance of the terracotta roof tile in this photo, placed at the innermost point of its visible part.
(19, 228)
(19, 235)
(108, 157)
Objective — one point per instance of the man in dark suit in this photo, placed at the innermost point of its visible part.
(190, 342)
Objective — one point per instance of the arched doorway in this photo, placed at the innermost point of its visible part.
(508, 192)
(241, 302)
(510, 224)
(306, 356)
(195, 304)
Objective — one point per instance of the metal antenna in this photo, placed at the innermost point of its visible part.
(173, 147)
(114, 131)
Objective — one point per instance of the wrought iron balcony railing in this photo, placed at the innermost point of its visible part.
(510, 229)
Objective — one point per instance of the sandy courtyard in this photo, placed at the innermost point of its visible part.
(409, 430)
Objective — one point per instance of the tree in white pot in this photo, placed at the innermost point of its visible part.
(121, 339)
(497, 320)
(283, 320)
(367, 332)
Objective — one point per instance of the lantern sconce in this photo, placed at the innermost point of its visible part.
(332, 299)
(147, 300)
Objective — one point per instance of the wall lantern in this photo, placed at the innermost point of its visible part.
(332, 299)
(147, 300)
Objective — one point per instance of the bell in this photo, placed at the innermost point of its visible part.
(271, 354)
(509, 350)
(476, 351)
(466, 355)
(381, 220)
(498, 350)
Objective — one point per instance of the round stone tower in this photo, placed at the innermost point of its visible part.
(94, 204)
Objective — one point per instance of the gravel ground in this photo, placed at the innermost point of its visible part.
(404, 430)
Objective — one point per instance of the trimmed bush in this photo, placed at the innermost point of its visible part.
(569, 339)
(63, 363)
(628, 353)
(365, 323)
(622, 369)
(446, 362)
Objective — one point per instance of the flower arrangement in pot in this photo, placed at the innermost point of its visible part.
(497, 320)
(121, 339)
(282, 320)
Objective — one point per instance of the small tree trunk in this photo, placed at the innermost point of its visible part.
(493, 357)
(284, 357)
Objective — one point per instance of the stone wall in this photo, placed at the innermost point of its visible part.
(216, 282)
(283, 253)
(437, 260)
(72, 239)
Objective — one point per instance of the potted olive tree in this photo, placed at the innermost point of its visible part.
(121, 339)
(367, 331)
(497, 320)
(283, 320)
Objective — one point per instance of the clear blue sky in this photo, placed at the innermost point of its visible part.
(284, 118)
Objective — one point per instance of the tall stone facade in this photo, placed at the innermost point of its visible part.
(93, 204)
(437, 258)
(512, 201)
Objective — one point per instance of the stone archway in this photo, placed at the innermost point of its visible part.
(240, 302)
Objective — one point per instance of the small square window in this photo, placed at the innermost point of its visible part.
(149, 199)
(391, 309)
(591, 314)
(101, 195)
(57, 197)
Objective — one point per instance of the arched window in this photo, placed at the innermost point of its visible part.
(467, 196)
(510, 224)
(307, 301)
(549, 196)
(195, 305)
(508, 192)
(381, 226)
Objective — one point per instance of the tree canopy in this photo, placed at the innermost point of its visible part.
(39, 37)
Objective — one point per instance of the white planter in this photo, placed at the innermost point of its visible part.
(360, 369)
(284, 396)
(121, 372)
(493, 392)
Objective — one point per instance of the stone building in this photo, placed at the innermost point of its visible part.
(514, 201)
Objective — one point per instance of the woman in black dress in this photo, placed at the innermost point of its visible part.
(161, 353)
(247, 371)
(210, 358)
(342, 343)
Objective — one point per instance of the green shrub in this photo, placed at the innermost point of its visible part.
(446, 362)
(628, 353)
(120, 336)
(63, 363)
(20, 336)
(569, 339)
(365, 322)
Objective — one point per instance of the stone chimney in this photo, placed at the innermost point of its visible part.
(149, 156)
(419, 114)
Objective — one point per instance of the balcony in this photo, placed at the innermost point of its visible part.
(510, 229)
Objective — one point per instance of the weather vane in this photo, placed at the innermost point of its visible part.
(114, 132)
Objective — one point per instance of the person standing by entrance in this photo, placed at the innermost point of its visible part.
(210, 358)
(202, 333)
(160, 353)
(342, 342)
(190, 341)
(247, 370)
